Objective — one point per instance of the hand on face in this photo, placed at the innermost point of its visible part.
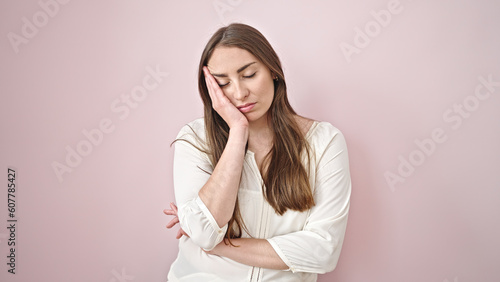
(222, 105)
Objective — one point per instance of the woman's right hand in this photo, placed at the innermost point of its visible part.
(222, 105)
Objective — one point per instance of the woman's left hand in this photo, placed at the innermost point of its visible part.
(175, 220)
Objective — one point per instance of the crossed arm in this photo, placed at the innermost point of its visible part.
(250, 251)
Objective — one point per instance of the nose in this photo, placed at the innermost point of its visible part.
(240, 91)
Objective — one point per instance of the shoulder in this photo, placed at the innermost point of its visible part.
(190, 145)
(324, 130)
(196, 126)
(304, 123)
(317, 129)
(193, 131)
(324, 136)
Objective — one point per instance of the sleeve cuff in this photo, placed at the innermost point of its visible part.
(280, 253)
(220, 232)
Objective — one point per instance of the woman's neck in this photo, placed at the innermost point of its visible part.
(260, 135)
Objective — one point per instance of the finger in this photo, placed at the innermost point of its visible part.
(208, 77)
(217, 95)
(179, 234)
(211, 78)
(212, 85)
(208, 74)
(173, 206)
(169, 212)
(173, 222)
(184, 233)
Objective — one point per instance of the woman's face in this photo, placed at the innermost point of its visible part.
(245, 80)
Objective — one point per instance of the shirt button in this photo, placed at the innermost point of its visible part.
(220, 231)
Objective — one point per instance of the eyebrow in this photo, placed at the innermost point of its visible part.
(238, 71)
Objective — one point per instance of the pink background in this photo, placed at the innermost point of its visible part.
(104, 220)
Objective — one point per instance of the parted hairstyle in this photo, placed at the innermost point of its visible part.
(286, 179)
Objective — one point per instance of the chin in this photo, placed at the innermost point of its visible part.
(253, 117)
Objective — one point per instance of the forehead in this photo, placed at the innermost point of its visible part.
(229, 59)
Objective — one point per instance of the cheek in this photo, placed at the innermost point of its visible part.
(264, 88)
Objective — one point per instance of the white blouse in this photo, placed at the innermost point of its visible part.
(308, 242)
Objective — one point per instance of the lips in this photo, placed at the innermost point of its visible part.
(246, 108)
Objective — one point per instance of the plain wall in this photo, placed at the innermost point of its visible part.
(408, 91)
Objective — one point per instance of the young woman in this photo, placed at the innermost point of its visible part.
(262, 193)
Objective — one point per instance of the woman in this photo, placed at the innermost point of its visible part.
(262, 193)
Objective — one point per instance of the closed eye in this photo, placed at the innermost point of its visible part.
(246, 76)
(250, 76)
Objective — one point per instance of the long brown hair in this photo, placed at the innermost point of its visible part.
(286, 179)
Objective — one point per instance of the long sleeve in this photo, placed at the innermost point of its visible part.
(192, 170)
(316, 248)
